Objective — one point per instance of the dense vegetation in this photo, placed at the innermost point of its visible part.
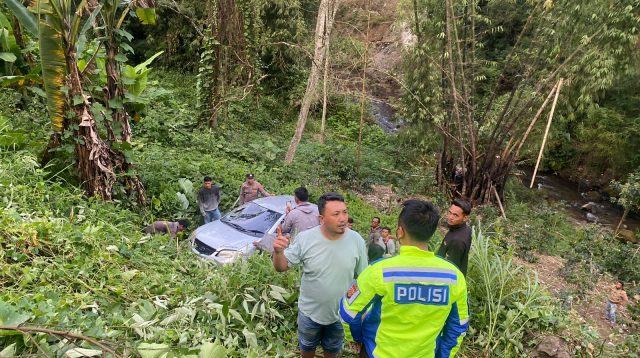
(79, 272)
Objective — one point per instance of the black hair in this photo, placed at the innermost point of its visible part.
(621, 284)
(184, 223)
(302, 193)
(330, 196)
(463, 204)
(386, 228)
(419, 219)
(374, 252)
(207, 178)
(350, 220)
(376, 217)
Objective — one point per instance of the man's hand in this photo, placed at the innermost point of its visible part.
(281, 241)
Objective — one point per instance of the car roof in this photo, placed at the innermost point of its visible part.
(277, 203)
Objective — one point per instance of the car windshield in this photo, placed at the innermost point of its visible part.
(251, 219)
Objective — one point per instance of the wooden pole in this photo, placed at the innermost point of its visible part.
(535, 119)
(546, 133)
(495, 192)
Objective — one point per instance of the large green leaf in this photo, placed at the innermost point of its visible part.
(9, 316)
(147, 16)
(8, 57)
(154, 350)
(26, 19)
(212, 350)
(10, 52)
(53, 71)
(146, 63)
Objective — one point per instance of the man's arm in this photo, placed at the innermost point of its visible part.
(287, 226)
(217, 193)
(262, 191)
(357, 300)
(280, 259)
(455, 252)
(456, 324)
(200, 202)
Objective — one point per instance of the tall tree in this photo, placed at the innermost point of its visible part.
(483, 86)
(326, 15)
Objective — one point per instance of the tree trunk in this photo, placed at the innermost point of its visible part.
(93, 157)
(363, 90)
(624, 216)
(324, 24)
(324, 93)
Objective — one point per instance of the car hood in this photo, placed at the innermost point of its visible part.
(219, 235)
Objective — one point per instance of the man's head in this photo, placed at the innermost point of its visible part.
(458, 212)
(620, 285)
(301, 194)
(350, 223)
(418, 220)
(333, 213)
(207, 182)
(385, 232)
(374, 252)
(375, 222)
(250, 178)
(183, 225)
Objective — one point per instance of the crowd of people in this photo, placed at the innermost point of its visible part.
(396, 295)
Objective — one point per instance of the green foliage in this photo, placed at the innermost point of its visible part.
(87, 267)
(506, 301)
(595, 251)
(629, 192)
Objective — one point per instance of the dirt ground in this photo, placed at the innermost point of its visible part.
(590, 309)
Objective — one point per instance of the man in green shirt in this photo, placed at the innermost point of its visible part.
(331, 255)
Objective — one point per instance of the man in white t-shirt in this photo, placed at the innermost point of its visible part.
(332, 256)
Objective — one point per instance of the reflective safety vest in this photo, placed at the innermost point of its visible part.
(410, 305)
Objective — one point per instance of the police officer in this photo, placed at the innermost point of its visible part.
(413, 304)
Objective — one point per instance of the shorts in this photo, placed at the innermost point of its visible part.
(312, 334)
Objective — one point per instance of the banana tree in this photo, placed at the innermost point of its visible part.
(63, 27)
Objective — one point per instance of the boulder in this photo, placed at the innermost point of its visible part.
(592, 196)
(627, 235)
(551, 347)
(590, 207)
(592, 218)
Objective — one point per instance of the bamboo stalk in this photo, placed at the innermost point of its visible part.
(546, 133)
(495, 192)
(535, 118)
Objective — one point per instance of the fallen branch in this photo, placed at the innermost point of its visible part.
(61, 333)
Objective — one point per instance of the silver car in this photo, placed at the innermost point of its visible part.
(230, 238)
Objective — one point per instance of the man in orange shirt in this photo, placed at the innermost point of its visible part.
(617, 296)
(250, 190)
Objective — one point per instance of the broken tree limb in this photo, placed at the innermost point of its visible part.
(61, 333)
(546, 133)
